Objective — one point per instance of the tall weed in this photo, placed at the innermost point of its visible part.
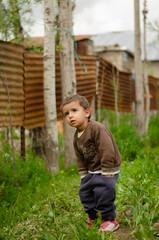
(129, 144)
(153, 131)
(48, 207)
(138, 188)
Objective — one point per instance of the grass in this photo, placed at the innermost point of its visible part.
(138, 195)
(48, 207)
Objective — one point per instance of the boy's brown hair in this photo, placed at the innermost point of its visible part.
(81, 99)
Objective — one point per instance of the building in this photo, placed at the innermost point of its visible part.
(85, 45)
(122, 58)
(118, 48)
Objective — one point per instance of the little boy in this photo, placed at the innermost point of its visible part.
(98, 161)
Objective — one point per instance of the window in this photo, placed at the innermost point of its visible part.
(125, 56)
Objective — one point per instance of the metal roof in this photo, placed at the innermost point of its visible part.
(153, 51)
(126, 39)
(82, 37)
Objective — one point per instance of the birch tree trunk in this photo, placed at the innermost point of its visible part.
(67, 72)
(139, 108)
(146, 84)
(50, 134)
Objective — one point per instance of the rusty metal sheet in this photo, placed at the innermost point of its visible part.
(33, 87)
(11, 71)
(25, 80)
(86, 81)
(154, 93)
(153, 90)
(106, 97)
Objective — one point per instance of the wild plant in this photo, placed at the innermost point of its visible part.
(153, 131)
(138, 187)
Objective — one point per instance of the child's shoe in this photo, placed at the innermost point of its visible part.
(108, 226)
(90, 222)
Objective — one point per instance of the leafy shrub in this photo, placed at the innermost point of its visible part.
(108, 117)
(153, 131)
(129, 144)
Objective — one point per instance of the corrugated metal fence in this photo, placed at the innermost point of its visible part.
(109, 77)
(11, 77)
(22, 72)
(33, 86)
(154, 93)
(113, 82)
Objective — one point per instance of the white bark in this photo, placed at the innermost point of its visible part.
(67, 72)
(146, 84)
(139, 115)
(50, 130)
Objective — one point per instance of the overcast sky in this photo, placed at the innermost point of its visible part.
(99, 16)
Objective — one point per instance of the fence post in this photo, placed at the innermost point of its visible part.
(22, 142)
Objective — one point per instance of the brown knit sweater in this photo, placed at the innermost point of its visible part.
(96, 150)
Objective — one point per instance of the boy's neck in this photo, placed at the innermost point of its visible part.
(83, 127)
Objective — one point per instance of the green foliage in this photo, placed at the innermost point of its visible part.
(59, 47)
(35, 49)
(130, 145)
(153, 131)
(14, 15)
(48, 207)
(138, 195)
(14, 134)
(108, 118)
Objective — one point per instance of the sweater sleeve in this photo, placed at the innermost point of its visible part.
(82, 169)
(104, 143)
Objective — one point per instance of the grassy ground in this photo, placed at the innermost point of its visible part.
(48, 207)
(45, 207)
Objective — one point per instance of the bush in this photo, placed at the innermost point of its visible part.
(153, 131)
(129, 144)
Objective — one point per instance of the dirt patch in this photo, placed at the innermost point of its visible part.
(123, 233)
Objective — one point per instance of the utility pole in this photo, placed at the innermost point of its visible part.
(146, 84)
(139, 106)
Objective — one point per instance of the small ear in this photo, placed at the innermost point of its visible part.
(88, 112)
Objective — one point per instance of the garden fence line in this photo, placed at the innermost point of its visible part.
(22, 73)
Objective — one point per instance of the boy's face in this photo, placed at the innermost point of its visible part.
(75, 115)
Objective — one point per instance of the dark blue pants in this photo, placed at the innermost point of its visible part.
(97, 193)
